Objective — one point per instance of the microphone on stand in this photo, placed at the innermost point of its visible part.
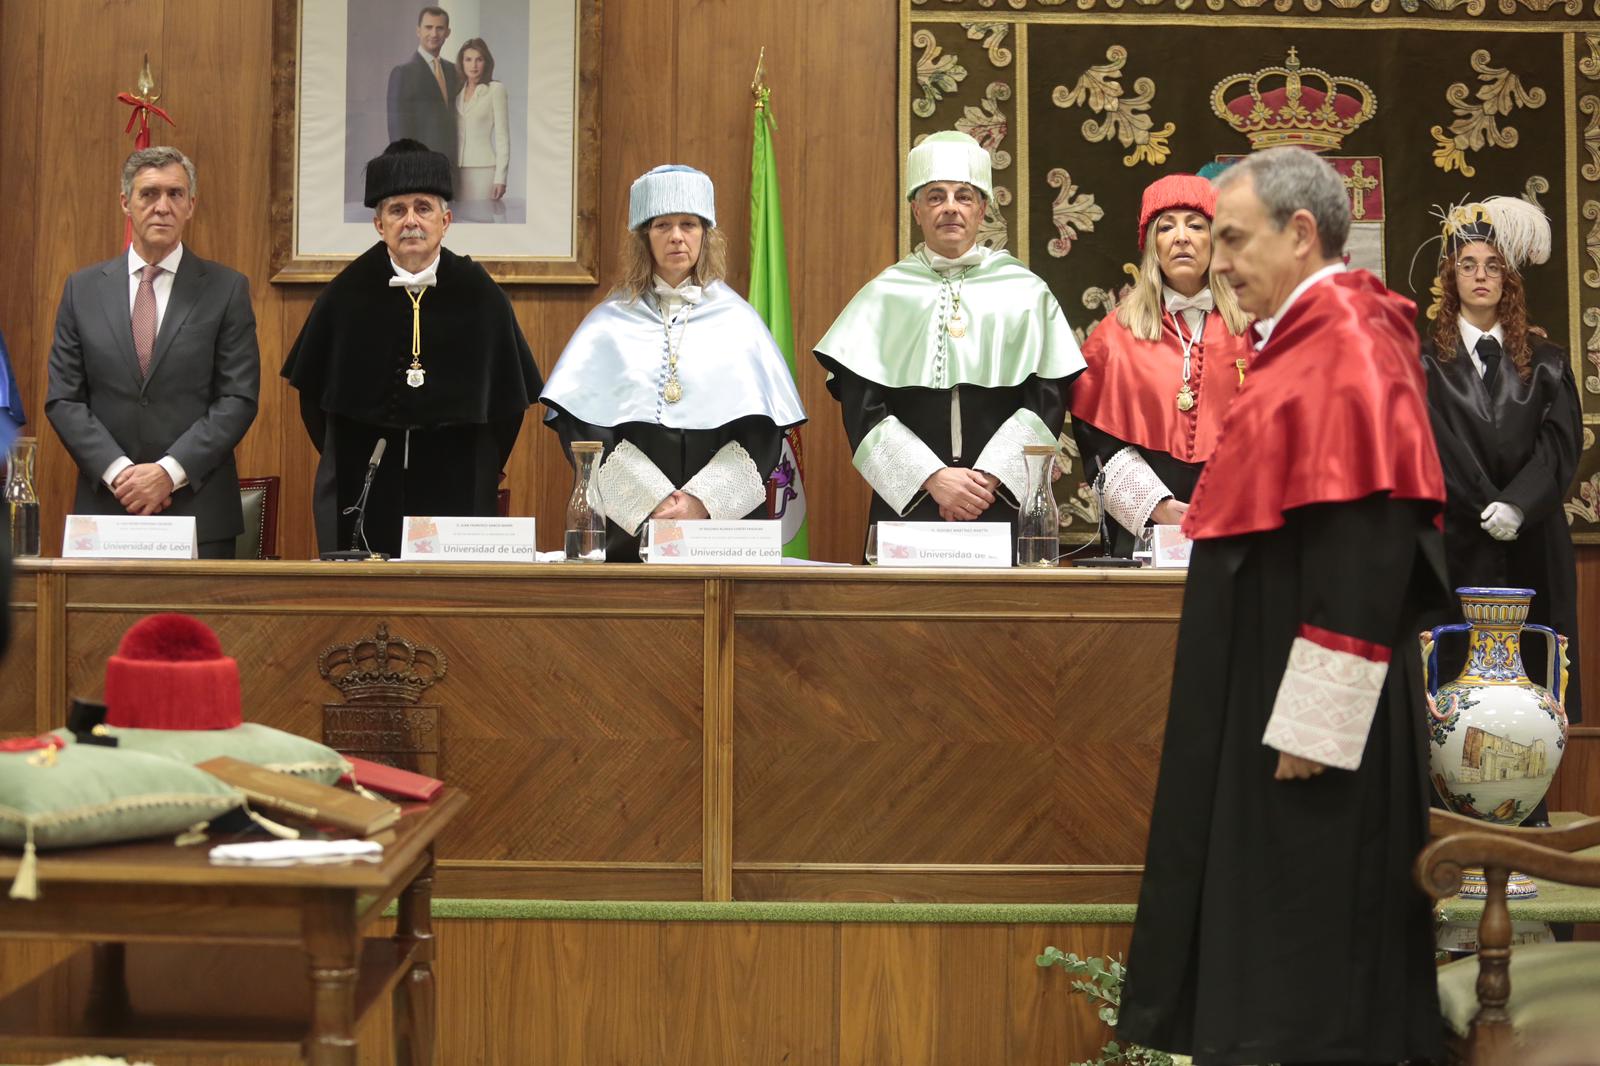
(360, 551)
(1105, 558)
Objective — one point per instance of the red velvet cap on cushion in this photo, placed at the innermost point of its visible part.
(1174, 191)
(169, 673)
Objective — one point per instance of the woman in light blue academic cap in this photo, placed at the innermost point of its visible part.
(674, 374)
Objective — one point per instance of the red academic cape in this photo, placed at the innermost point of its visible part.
(1131, 387)
(1334, 409)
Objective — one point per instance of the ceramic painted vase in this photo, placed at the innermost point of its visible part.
(1496, 737)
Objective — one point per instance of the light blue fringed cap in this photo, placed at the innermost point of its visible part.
(673, 189)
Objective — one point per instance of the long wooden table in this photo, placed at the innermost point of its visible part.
(191, 958)
(699, 733)
(786, 733)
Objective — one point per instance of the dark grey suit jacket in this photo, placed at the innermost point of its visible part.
(416, 109)
(195, 405)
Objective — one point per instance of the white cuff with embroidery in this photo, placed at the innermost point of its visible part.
(631, 486)
(1132, 490)
(729, 485)
(1327, 698)
(895, 462)
(1002, 456)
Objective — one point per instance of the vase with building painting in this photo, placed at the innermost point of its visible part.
(1496, 738)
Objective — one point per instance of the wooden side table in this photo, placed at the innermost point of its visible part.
(194, 959)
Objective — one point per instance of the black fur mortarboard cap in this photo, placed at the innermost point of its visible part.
(407, 166)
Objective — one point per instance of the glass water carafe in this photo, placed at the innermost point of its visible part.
(22, 502)
(586, 514)
(1039, 519)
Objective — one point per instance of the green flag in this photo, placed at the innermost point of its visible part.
(769, 295)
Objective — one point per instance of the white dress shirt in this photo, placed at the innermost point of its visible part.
(1265, 326)
(1470, 335)
(162, 284)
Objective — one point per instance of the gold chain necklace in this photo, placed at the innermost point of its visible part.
(672, 392)
(415, 373)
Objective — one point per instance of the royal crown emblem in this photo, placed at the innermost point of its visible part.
(381, 668)
(1292, 104)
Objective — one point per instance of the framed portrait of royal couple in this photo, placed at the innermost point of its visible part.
(507, 89)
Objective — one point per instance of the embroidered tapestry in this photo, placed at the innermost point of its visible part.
(1418, 104)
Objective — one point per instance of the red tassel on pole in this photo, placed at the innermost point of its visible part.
(144, 105)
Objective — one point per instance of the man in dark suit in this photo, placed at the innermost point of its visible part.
(422, 90)
(154, 371)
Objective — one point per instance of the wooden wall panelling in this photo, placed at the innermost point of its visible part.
(22, 118)
(675, 80)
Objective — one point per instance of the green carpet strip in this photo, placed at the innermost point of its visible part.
(1556, 903)
(740, 911)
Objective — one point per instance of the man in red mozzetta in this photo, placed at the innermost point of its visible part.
(1277, 919)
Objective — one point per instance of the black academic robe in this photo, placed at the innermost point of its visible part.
(1521, 446)
(1278, 922)
(679, 454)
(926, 412)
(447, 440)
(1096, 447)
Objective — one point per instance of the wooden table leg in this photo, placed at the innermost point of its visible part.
(414, 995)
(332, 942)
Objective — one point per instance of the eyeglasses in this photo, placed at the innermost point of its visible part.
(1469, 267)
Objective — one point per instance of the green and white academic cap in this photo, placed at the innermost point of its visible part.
(949, 156)
(673, 189)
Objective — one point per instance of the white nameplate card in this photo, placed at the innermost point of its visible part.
(1169, 547)
(126, 536)
(748, 542)
(944, 544)
(437, 539)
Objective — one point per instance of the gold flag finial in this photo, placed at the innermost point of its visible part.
(147, 83)
(759, 81)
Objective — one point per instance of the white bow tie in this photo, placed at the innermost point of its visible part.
(1200, 301)
(424, 278)
(971, 258)
(688, 294)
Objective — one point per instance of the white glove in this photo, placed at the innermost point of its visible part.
(1501, 520)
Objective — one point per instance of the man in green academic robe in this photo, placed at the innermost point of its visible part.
(950, 361)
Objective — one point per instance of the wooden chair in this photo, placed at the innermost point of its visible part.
(259, 496)
(1560, 983)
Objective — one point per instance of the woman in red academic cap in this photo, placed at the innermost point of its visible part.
(1162, 369)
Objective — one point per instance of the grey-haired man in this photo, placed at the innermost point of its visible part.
(154, 371)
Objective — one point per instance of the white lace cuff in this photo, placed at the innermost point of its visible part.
(631, 486)
(1131, 489)
(1002, 456)
(1327, 698)
(895, 462)
(729, 485)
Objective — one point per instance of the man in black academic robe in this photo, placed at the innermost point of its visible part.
(417, 346)
(1277, 919)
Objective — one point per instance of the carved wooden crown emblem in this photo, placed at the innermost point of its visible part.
(1292, 104)
(381, 668)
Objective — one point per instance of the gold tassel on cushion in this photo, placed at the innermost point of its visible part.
(195, 834)
(26, 884)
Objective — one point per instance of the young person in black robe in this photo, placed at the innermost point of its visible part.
(1510, 430)
(416, 346)
(1277, 919)
(674, 374)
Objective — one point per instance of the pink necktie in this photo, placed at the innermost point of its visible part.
(144, 318)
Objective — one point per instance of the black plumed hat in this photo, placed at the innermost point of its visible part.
(407, 166)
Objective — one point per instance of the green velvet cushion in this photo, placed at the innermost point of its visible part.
(1552, 986)
(96, 795)
(287, 753)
